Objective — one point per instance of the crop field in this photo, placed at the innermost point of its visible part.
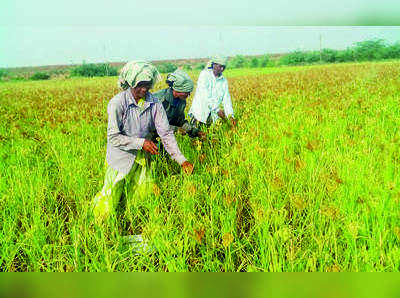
(307, 181)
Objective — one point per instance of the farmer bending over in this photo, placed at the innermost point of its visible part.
(132, 114)
(173, 98)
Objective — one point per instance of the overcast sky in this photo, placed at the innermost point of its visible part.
(204, 12)
(60, 32)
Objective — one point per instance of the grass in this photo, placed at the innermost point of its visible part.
(308, 181)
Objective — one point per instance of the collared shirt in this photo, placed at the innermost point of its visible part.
(175, 109)
(211, 93)
(128, 126)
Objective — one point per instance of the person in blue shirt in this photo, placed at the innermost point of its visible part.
(173, 98)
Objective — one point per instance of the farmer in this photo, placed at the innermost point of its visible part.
(212, 93)
(132, 114)
(173, 98)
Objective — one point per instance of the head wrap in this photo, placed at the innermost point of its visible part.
(181, 81)
(218, 60)
(137, 71)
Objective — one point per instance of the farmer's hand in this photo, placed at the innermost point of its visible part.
(233, 121)
(202, 135)
(181, 131)
(187, 167)
(150, 147)
(221, 114)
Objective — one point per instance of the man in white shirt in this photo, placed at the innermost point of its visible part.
(212, 99)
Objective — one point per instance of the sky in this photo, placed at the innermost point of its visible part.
(65, 32)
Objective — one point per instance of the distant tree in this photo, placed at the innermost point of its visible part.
(166, 67)
(312, 57)
(18, 78)
(93, 70)
(264, 60)
(370, 50)
(345, 55)
(328, 55)
(187, 67)
(393, 51)
(294, 58)
(40, 76)
(238, 61)
(3, 73)
(254, 62)
(200, 66)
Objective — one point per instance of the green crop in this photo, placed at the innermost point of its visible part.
(307, 181)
